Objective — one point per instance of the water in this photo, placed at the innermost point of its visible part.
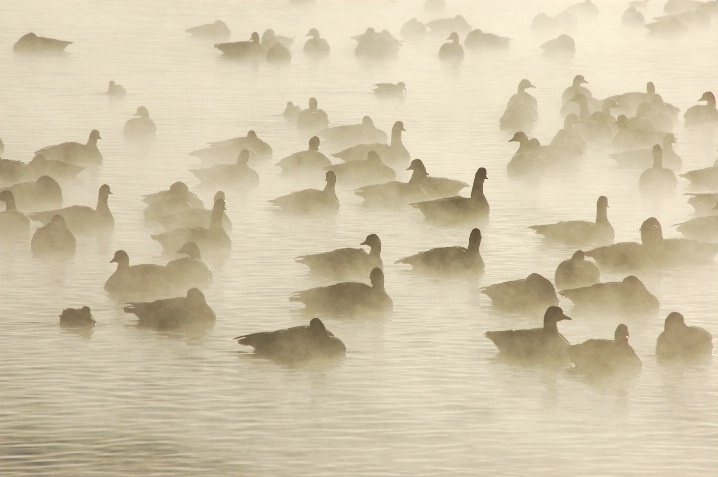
(420, 391)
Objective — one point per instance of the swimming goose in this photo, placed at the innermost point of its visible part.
(77, 317)
(346, 262)
(451, 210)
(567, 144)
(585, 9)
(704, 203)
(243, 50)
(177, 190)
(581, 232)
(116, 91)
(444, 26)
(311, 201)
(631, 138)
(643, 158)
(58, 170)
(435, 187)
(606, 357)
(658, 179)
(43, 194)
(375, 45)
(540, 345)
(704, 229)
(521, 111)
(531, 159)
(270, 39)
(525, 294)
(391, 153)
(449, 260)
(13, 223)
(83, 220)
(704, 113)
(680, 341)
(478, 40)
(390, 90)
(627, 296)
(298, 344)
(226, 151)
(53, 240)
(316, 46)
(75, 152)
(562, 46)
(667, 27)
(312, 119)
(394, 193)
(238, 175)
(563, 21)
(31, 43)
(305, 162)
(190, 271)
(632, 18)
(706, 177)
(370, 171)
(628, 103)
(141, 126)
(348, 298)
(675, 252)
(626, 256)
(279, 54)
(291, 111)
(452, 51)
(178, 313)
(576, 272)
(142, 279)
(413, 30)
(341, 137)
(193, 217)
(11, 171)
(210, 31)
(213, 240)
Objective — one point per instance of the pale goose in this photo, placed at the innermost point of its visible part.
(83, 220)
(74, 152)
(218, 30)
(393, 153)
(311, 201)
(346, 262)
(43, 194)
(141, 127)
(680, 341)
(169, 314)
(305, 162)
(238, 175)
(53, 240)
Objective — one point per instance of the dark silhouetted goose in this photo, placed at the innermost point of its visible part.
(346, 262)
(576, 272)
(627, 296)
(243, 50)
(178, 313)
(704, 229)
(75, 152)
(643, 158)
(604, 357)
(567, 144)
(53, 240)
(43, 194)
(279, 54)
(348, 298)
(13, 223)
(537, 345)
(413, 30)
(58, 170)
(340, 137)
(522, 110)
(230, 175)
(142, 279)
(390, 90)
(116, 91)
(563, 46)
(375, 45)
(297, 344)
(451, 210)
(77, 317)
(226, 151)
(680, 341)
(312, 119)
(316, 46)
(706, 177)
(435, 187)
(479, 40)
(311, 201)
(445, 26)
(397, 194)
(193, 217)
(190, 271)
(213, 240)
(31, 43)
(632, 18)
(82, 219)
(675, 252)
(704, 203)
(305, 162)
(581, 232)
(370, 171)
(392, 153)
(658, 179)
(449, 260)
(452, 51)
(525, 294)
(141, 126)
(211, 31)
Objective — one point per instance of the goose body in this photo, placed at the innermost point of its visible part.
(189, 271)
(115, 91)
(346, 262)
(479, 40)
(341, 137)
(218, 30)
(305, 162)
(83, 220)
(316, 46)
(413, 30)
(521, 111)
(581, 232)
(561, 46)
(227, 151)
(238, 175)
(627, 296)
(706, 177)
(675, 252)
(525, 294)
(704, 203)
(53, 240)
(373, 45)
(658, 179)
(705, 114)
(452, 50)
(13, 223)
(43, 194)
(311, 201)
(178, 196)
(393, 153)
(394, 193)
(449, 260)
(680, 341)
(279, 54)
(77, 317)
(75, 152)
(142, 279)
(369, 171)
(445, 26)
(141, 126)
(180, 313)
(576, 272)
(192, 217)
(312, 119)
(251, 50)
(458, 209)
(390, 90)
(643, 158)
(33, 44)
(604, 357)
(58, 170)
(704, 229)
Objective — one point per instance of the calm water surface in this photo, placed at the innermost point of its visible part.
(420, 391)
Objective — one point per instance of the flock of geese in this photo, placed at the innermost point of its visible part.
(640, 137)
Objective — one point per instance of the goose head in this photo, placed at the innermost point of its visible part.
(376, 277)
(314, 143)
(121, 259)
(191, 249)
(142, 112)
(243, 157)
(621, 334)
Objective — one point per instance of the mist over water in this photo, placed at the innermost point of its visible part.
(421, 390)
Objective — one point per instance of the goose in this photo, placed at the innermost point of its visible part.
(305, 162)
(83, 220)
(525, 294)
(243, 50)
(675, 252)
(33, 44)
(115, 91)
(445, 26)
(270, 39)
(521, 111)
(703, 203)
(373, 45)
(279, 54)
(189, 271)
(212, 240)
(658, 179)
(629, 295)
(680, 341)
(316, 46)
(53, 240)
(576, 272)
(11, 171)
(341, 137)
(581, 232)
(632, 138)
(458, 209)
(667, 27)
(531, 160)
(291, 111)
(58, 170)
(452, 50)
(390, 90)
(141, 126)
(43, 194)
(538, 345)
(193, 217)
(311, 201)
(391, 153)
(706, 177)
(435, 187)
(479, 40)
(629, 102)
(625, 256)
(142, 279)
(606, 357)
(346, 262)
(77, 317)
(449, 260)
(13, 223)
(230, 175)
(370, 171)
(226, 151)
(563, 21)
(567, 144)
(313, 118)
(178, 313)
(560, 47)
(394, 193)
(632, 18)
(413, 30)
(585, 9)
(298, 344)
(218, 30)
(704, 229)
(348, 298)
(177, 191)
(643, 158)
(75, 152)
